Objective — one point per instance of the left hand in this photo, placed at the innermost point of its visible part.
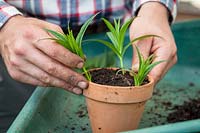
(153, 19)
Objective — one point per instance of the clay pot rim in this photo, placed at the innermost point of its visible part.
(119, 94)
(122, 88)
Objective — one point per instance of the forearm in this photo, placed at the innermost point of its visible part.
(154, 11)
(153, 19)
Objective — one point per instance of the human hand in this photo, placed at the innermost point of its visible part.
(39, 62)
(153, 19)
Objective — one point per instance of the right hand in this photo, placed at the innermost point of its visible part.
(39, 62)
(163, 47)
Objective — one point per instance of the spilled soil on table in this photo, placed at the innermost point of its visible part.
(189, 110)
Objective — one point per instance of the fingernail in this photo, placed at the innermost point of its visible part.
(82, 85)
(80, 65)
(77, 91)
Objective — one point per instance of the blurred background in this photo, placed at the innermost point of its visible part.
(188, 10)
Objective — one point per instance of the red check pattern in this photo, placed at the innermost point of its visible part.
(75, 11)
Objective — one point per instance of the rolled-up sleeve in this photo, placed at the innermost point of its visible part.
(171, 5)
(7, 11)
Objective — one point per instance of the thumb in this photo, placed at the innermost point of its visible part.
(144, 46)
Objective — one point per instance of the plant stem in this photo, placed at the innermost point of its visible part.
(136, 82)
(87, 74)
(121, 63)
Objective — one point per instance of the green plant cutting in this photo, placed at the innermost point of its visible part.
(116, 35)
(73, 44)
(145, 66)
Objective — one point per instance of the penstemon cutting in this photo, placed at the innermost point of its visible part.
(73, 44)
(145, 66)
(116, 36)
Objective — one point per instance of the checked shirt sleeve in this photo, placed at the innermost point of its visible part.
(170, 4)
(6, 11)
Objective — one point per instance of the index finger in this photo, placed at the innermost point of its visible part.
(159, 70)
(60, 53)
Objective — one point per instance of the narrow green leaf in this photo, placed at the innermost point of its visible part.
(61, 42)
(117, 26)
(147, 68)
(149, 60)
(140, 58)
(113, 40)
(70, 44)
(60, 38)
(151, 66)
(123, 31)
(56, 40)
(79, 37)
(110, 27)
(74, 43)
(58, 35)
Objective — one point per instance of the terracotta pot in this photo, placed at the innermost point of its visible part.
(113, 108)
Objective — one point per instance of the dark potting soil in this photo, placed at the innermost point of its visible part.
(188, 111)
(113, 77)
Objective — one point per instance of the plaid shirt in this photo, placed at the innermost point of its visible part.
(75, 11)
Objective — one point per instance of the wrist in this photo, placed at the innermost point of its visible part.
(155, 11)
(11, 20)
